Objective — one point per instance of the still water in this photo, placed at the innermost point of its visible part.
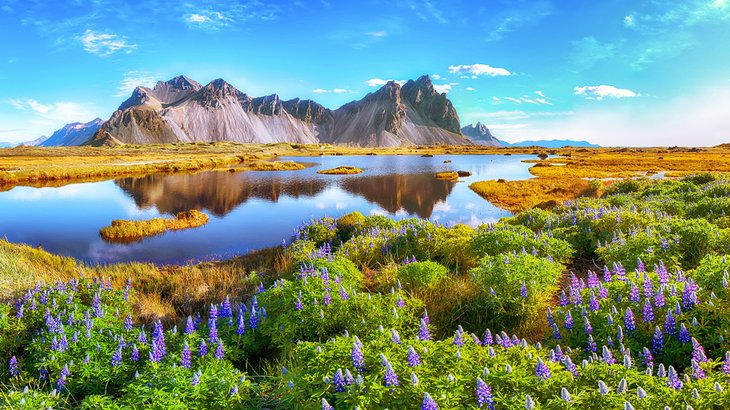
(248, 210)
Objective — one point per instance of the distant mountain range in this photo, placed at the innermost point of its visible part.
(35, 142)
(480, 135)
(182, 110)
(76, 133)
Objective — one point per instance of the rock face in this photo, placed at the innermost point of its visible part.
(481, 135)
(181, 110)
(73, 134)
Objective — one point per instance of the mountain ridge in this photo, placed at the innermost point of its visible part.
(182, 110)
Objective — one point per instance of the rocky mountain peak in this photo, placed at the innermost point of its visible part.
(182, 82)
(217, 90)
(139, 96)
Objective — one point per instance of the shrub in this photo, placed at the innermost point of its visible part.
(420, 275)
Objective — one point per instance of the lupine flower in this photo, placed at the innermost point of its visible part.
(428, 403)
(212, 331)
(629, 321)
(394, 336)
(400, 303)
(61, 383)
(648, 312)
(726, 364)
(607, 356)
(358, 360)
(697, 371)
(488, 339)
(564, 394)
(484, 395)
(134, 356)
(339, 381)
(413, 358)
(327, 298)
(684, 336)
(648, 358)
(698, 352)
(529, 403)
(593, 303)
(634, 293)
(202, 348)
(542, 371)
(523, 290)
(673, 379)
(391, 379)
(458, 340)
(117, 357)
(343, 293)
(219, 351)
(128, 322)
(556, 333)
(591, 345)
(587, 328)
(423, 332)
(568, 323)
(185, 356)
(657, 342)
(14, 369)
(326, 405)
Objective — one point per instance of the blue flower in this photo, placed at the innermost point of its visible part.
(14, 369)
(358, 360)
(117, 357)
(339, 381)
(413, 358)
(391, 379)
(428, 403)
(542, 371)
(219, 351)
(484, 394)
(185, 356)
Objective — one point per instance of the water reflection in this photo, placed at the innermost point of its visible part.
(217, 192)
(248, 210)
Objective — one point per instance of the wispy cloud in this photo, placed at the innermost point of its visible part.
(133, 79)
(523, 13)
(541, 99)
(442, 88)
(104, 44)
(211, 15)
(588, 51)
(599, 92)
(428, 11)
(334, 90)
(476, 70)
(58, 112)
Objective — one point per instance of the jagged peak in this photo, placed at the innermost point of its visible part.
(180, 82)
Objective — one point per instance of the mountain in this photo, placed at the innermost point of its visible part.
(551, 144)
(182, 110)
(36, 142)
(480, 135)
(73, 134)
(414, 114)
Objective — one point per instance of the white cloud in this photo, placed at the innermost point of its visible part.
(377, 34)
(698, 118)
(436, 77)
(629, 21)
(230, 15)
(335, 90)
(104, 44)
(599, 92)
(470, 89)
(319, 90)
(478, 69)
(133, 79)
(36, 118)
(340, 90)
(197, 18)
(444, 88)
(377, 82)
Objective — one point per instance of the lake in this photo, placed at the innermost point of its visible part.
(248, 210)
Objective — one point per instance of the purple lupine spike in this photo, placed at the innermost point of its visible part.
(568, 323)
(61, 383)
(659, 300)
(591, 345)
(338, 381)
(629, 321)
(673, 380)
(219, 350)
(484, 395)
(488, 339)
(128, 325)
(606, 274)
(647, 358)
(648, 311)
(593, 303)
(423, 332)
(134, 356)
(185, 356)
(213, 313)
(202, 348)
(189, 326)
(400, 303)
(670, 325)
(226, 308)
(698, 352)
(241, 329)
(13, 367)
(458, 340)
(523, 290)
(390, 378)
(542, 371)
(587, 328)
(327, 297)
(358, 359)
(634, 293)
(684, 335)
(657, 342)
(428, 403)
(117, 357)
(343, 293)
(648, 287)
(413, 358)
(556, 333)
(212, 331)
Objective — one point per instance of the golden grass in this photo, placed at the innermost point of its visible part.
(448, 175)
(517, 196)
(343, 170)
(127, 231)
(166, 292)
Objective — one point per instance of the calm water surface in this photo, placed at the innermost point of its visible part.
(248, 210)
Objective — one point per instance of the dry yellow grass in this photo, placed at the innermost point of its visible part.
(128, 231)
(517, 196)
(343, 170)
(448, 175)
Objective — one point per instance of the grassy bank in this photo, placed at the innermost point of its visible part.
(343, 170)
(128, 231)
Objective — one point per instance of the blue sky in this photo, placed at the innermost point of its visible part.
(615, 72)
